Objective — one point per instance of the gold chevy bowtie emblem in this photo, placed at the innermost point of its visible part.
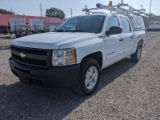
(22, 55)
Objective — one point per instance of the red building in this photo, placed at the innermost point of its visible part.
(48, 21)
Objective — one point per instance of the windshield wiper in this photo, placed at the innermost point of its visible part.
(70, 30)
(59, 31)
(78, 31)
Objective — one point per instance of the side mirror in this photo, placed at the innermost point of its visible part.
(54, 30)
(114, 30)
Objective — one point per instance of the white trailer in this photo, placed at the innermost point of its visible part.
(52, 28)
(36, 25)
(15, 22)
(154, 26)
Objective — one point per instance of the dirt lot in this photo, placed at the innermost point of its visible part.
(127, 91)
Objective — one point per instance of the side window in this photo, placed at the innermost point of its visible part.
(113, 21)
(125, 24)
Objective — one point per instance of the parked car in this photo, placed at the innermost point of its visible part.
(75, 57)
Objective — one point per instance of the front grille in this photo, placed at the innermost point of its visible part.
(29, 50)
(30, 61)
(34, 56)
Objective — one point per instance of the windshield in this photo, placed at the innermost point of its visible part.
(90, 24)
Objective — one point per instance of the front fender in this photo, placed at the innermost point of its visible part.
(86, 47)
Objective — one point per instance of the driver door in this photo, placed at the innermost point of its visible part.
(113, 44)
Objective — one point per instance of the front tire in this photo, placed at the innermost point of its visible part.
(89, 77)
(137, 55)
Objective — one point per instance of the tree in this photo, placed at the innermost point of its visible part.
(55, 12)
(3, 11)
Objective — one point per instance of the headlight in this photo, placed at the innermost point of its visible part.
(64, 57)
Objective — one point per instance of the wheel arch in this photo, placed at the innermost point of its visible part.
(96, 56)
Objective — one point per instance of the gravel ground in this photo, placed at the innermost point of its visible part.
(127, 91)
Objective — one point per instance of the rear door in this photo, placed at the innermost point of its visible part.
(128, 35)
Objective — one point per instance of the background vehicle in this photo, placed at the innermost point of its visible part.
(154, 26)
(16, 22)
(36, 25)
(18, 27)
(74, 56)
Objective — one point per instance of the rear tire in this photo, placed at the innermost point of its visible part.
(137, 55)
(89, 77)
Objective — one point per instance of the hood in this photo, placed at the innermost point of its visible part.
(52, 40)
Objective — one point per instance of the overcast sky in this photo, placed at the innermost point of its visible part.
(32, 7)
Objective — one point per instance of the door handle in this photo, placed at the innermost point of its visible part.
(131, 37)
(121, 39)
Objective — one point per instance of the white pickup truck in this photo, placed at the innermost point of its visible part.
(75, 54)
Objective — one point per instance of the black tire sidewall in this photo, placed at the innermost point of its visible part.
(134, 57)
(139, 46)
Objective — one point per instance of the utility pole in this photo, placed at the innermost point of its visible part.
(71, 12)
(150, 8)
(12, 11)
(121, 1)
(41, 9)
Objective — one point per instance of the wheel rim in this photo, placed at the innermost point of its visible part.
(139, 53)
(91, 77)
